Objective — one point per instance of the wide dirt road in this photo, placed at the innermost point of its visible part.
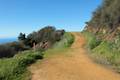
(76, 65)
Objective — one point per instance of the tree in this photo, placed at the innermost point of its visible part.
(21, 37)
(48, 34)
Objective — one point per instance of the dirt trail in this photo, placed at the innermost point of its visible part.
(77, 66)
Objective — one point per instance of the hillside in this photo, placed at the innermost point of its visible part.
(105, 22)
(102, 33)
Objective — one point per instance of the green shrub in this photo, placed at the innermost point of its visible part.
(65, 42)
(91, 40)
(13, 68)
(6, 51)
(46, 34)
(103, 52)
(106, 52)
(10, 49)
(62, 45)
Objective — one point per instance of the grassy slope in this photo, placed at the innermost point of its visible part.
(13, 68)
(62, 45)
(104, 52)
(16, 68)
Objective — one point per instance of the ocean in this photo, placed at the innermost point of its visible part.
(7, 40)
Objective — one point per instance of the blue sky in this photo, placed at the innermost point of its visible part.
(28, 15)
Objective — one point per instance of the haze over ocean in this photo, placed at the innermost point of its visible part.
(6, 40)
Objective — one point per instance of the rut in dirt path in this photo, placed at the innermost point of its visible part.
(77, 66)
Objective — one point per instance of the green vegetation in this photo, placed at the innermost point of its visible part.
(62, 45)
(66, 41)
(103, 33)
(92, 41)
(6, 51)
(15, 68)
(105, 52)
(106, 19)
(16, 56)
(47, 34)
(39, 40)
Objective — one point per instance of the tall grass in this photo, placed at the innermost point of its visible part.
(62, 45)
(66, 41)
(14, 68)
(91, 40)
(104, 52)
